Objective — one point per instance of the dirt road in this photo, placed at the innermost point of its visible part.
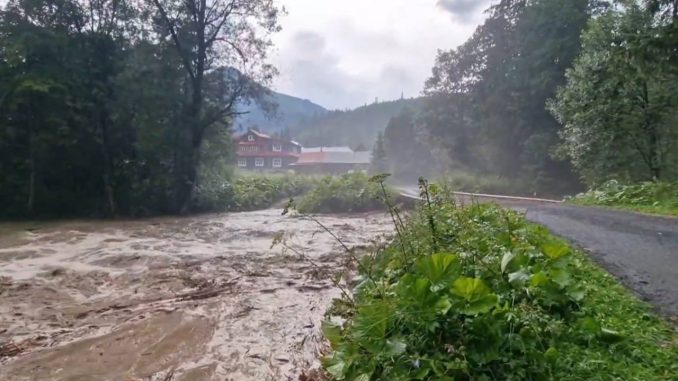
(205, 297)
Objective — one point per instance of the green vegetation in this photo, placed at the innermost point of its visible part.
(344, 194)
(351, 127)
(618, 108)
(649, 197)
(478, 293)
(476, 183)
(106, 105)
(251, 191)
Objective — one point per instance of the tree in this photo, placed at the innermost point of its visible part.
(618, 107)
(207, 34)
(379, 162)
(408, 158)
(486, 103)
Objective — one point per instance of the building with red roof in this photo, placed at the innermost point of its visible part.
(259, 151)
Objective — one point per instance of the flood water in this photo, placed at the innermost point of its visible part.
(203, 297)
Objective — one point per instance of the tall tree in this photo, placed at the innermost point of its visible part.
(497, 84)
(379, 162)
(207, 34)
(618, 107)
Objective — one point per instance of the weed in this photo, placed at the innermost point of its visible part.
(650, 197)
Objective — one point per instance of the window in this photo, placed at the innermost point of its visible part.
(277, 163)
(242, 163)
(259, 162)
(277, 147)
(250, 138)
(249, 148)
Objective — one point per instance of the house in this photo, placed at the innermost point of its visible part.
(258, 151)
(331, 160)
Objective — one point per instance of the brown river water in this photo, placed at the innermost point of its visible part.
(196, 298)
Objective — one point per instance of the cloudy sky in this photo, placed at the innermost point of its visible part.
(345, 53)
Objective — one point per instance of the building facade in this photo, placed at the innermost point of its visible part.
(258, 151)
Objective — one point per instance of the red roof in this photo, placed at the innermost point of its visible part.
(241, 137)
(267, 154)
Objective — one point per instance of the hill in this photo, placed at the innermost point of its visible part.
(353, 127)
(291, 111)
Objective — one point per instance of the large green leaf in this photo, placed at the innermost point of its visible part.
(555, 249)
(439, 269)
(372, 320)
(332, 332)
(477, 295)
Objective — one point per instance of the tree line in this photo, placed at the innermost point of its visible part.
(554, 94)
(112, 107)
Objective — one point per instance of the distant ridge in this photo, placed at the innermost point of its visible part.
(290, 111)
(351, 128)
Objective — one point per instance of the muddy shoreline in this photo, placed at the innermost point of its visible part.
(203, 297)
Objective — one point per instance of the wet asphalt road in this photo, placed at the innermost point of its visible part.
(640, 250)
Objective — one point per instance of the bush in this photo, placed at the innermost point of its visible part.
(653, 197)
(478, 293)
(347, 193)
(254, 192)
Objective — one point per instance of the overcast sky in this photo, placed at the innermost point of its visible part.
(345, 53)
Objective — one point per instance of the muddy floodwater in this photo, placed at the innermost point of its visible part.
(202, 298)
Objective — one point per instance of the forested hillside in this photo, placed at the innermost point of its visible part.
(353, 127)
(275, 113)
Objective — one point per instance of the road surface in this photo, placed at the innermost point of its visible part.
(641, 250)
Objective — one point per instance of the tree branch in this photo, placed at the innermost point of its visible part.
(175, 38)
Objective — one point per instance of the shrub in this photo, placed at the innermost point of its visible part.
(478, 293)
(262, 191)
(655, 197)
(347, 193)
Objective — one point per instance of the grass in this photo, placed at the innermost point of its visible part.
(482, 183)
(478, 293)
(649, 197)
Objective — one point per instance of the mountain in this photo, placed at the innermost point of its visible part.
(351, 128)
(290, 111)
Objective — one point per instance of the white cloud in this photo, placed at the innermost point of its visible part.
(345, 53)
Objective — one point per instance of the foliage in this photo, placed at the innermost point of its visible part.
(379, 160)
(618, 107)
(486, 98)
(478, 293)
(98, 113)
(352, 192)
(651, 197)
(463, 181)
(401, 140)
(253, 191)
(350, 127)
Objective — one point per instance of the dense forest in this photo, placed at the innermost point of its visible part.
(106, 105)
(555, 93)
